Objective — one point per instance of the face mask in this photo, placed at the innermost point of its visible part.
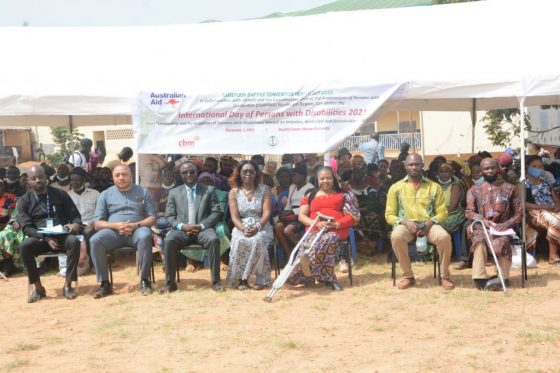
(80, 189)
(535, 172)
(478, 181)
(10, 181)
(62, 178)
(557, 161)
(444, 183)
(546, 161)
(168, 186)
(490, 179)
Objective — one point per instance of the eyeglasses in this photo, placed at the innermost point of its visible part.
(247, 172)
(188, 172)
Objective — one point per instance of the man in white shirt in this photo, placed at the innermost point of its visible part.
(80, 157)
(288, 230)
(373, 150)
(85, 200)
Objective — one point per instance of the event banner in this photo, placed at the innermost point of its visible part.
(263, 122)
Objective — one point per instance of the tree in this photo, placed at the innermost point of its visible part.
(502, 125)
(66, 142)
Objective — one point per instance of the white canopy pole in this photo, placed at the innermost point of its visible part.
(522, 180)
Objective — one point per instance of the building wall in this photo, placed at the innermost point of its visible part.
(22, 139)
(542, 120)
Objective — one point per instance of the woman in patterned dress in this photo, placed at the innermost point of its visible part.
(250, 205)
(543, 209)
(454, 194)
(329, 200)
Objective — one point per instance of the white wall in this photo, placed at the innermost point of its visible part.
(447, 132)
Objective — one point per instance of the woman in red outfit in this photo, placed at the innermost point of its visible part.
(329, 200)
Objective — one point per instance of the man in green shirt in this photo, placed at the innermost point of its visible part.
(416, 207)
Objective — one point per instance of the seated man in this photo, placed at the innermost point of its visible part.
(497, 204)
(192, 211)
(416, 207)
(43, 207)
(85, 200)
(123, 217)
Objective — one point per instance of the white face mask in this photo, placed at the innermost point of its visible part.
(478, 181)
(168, 186)
(444, 183)
(61, 178)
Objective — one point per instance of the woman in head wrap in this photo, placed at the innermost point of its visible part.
(453, 194)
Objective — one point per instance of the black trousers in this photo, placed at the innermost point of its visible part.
(33, 247)
(176, 240)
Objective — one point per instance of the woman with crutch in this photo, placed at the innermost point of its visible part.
(319, 261)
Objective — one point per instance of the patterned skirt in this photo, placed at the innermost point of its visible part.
(323, 259)
(370, 224)
(542, 221)
(454, 220)
(9, 244)
(249, 255)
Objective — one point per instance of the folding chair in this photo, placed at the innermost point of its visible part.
(51, 254)
(127, 249)
(435, 259)
(183, 251)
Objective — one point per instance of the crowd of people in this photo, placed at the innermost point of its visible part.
(239, 211)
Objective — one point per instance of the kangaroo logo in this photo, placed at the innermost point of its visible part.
(172, 102)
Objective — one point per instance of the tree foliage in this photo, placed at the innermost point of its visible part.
(503, 125)
(66, 142)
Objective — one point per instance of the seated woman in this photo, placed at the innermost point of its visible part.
(250, 208)
(371, 213)
(288, 229)
(329, 200)
(454, 195)
(10, 239)
(543, 209)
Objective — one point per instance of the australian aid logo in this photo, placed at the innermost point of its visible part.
(167, 99)
(188, 143)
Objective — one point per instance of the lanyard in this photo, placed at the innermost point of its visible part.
(41, 206)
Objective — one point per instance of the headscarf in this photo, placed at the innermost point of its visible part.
(505, 160)
(207, 174)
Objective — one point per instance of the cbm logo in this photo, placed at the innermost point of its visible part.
(188, 143)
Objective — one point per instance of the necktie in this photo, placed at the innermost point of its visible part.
(191, 206)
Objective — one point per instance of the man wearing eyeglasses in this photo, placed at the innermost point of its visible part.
(192, 211)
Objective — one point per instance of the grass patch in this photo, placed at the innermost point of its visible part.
(24, 347)
(290, 344)
(533, 336)
(15, 364)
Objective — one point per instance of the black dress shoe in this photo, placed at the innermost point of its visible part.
(168, 288)
(218, 287)
(105, 289)
(334, 285)
(69, 292)
(36, 294)
(146, 287)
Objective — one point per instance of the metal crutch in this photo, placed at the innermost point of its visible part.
(491, 248)
(293, 261)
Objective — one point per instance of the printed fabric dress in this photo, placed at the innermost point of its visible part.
(249, 255)
(541, 220)
(343, 208)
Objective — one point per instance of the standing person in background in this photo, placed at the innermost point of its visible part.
(124, 156)
(299, 160)
(373, 150)
(81, 157)
(210, 165)
(405, 147)
(287, 160)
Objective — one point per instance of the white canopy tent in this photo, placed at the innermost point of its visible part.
(444, 57)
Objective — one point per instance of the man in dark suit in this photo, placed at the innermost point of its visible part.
(192, 211)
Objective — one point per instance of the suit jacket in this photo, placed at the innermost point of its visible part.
(207, 206)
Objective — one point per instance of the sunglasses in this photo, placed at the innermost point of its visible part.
(188, 172)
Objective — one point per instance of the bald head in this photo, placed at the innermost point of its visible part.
(489, 168)
(488, 161)
(38, 179)
(414, 165)
(122, 177)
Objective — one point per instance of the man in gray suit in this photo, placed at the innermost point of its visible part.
(192, 211)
